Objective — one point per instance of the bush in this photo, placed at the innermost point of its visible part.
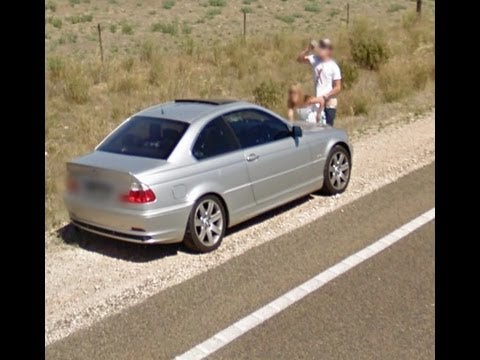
(289, 19)
(168, 4)
(213, 12)
(218, 3)
(395, 7)
(368, 47)
(113, 28)
(127, 29)
(76, 85)
(247, 9)
(56, 22)
(147, 51)
(51, 6)
(80, 18)
(267, 94)
(56, 68)
(312, 7)
(171, 28)
(186, 29)
(349, 72)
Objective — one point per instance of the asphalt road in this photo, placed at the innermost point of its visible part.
(383, 308)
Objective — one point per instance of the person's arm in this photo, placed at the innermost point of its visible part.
(316, 100)
(303, 56)
(291, 115)
(336, 88)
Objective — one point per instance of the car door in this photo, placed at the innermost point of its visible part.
(221, 168)
(278, 164)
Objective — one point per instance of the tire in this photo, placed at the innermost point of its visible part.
(206, 229)
(336, 174)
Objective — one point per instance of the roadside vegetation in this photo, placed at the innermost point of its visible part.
(387, 66)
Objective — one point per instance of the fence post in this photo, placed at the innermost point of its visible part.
(244, 26)
(100, 41)
(419, 7)
(348, 13)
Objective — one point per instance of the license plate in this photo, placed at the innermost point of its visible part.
(97, 188)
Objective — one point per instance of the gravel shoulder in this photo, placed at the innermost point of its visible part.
(95, 277)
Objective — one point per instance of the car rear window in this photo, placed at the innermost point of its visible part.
(146, 136)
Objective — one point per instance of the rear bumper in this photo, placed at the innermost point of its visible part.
(161, 226)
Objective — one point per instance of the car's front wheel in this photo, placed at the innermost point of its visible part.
(206, 225)
(336, 175)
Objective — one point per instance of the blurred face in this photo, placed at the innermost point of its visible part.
(323, 53)
(294, 96)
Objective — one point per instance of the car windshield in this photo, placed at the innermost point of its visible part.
(146, 136)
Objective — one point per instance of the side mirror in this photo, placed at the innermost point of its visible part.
(297, 132)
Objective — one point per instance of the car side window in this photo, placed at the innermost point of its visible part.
(216, 138)
(254, 127)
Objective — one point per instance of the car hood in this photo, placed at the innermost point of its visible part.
(118, 162)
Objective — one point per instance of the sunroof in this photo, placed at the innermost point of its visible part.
(206, 101)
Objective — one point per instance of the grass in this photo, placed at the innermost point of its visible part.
(127, 29)
(218, 3)
(289, 19)
(168, 4)
(50, 5)
(56, 22)
(76, 19)
(395, 7)
(165, 28)
(312, 7)
(91, 99)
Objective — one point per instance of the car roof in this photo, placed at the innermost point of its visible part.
(187, 110)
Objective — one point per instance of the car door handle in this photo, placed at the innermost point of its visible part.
(252, 157)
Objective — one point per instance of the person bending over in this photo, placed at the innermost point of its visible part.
(304, 107)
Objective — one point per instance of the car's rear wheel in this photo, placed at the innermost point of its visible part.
(206, 225)
(336, 174)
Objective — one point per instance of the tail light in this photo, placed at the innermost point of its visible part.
(139, 194)
(72, 184)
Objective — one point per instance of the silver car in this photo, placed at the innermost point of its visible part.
(188, 169)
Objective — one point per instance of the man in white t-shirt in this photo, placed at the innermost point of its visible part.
(326, 75)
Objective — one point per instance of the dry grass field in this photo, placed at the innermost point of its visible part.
(157, 50)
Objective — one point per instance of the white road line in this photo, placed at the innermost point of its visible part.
(236, 330)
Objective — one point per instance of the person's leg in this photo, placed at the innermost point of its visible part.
(330, 115)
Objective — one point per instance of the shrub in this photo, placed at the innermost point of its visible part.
(171, 28)
(312, 7)
(289, 19)
(127, 29)
(147, 51)
(186, 29)
(168, 4)
(125, 84)
(334, 12)
(113, 28)
(51, 6)
(56, 68)
(76, 85)
(267, 94)
(74, 2)
(155, 73)
(218, 3)
(395, 7)
(76, 19)
(213, 12)
(127, 64)
(56, 22)
(349, 72)
(368, 47)
(247, 9)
